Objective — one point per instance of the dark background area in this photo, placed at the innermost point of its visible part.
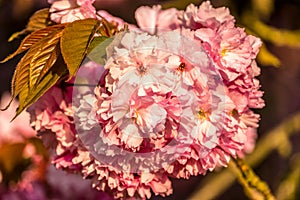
(281, 85)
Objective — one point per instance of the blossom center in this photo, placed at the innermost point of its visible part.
(142, 70)
(181, 67)
(149, 118)
(223, 52)
(202, 115)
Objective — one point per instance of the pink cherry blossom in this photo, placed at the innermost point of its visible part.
(206, 16)
(118, 22)
(63, 11)
(173, 99)
(59, 131)
(153, 19)
(131, 75)
(19, 129)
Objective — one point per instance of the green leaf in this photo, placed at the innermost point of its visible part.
(97, 49)
(102, 47)
(33, 38)
(75, 40)
(45, 55)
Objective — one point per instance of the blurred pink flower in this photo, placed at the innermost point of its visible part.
(18, 132)
(118, 22)
(61, 183)
(63, 11)
(57, 185)
(206, 16)
(36, 193)
(19, 129)
(32, 184)
(151, 19)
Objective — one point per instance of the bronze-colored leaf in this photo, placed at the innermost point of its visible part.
(45, 55)
(30, 95)
(35, 64)
(50, 62)
(75, 40)
(16, 35)
(33, 38)
(39, 20)
(35, 60)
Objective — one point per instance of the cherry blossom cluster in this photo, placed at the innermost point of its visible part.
(173, 99)
(38, 180)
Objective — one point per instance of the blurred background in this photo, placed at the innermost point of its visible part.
(277, 155)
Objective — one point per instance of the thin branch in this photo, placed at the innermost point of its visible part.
(216, 183)
(253, 186)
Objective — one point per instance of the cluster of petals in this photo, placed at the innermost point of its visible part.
(64, 11)
(39, 180)
(229, 46)
(155, 96)
(148, 97)
(232, 50)
(53, 117)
